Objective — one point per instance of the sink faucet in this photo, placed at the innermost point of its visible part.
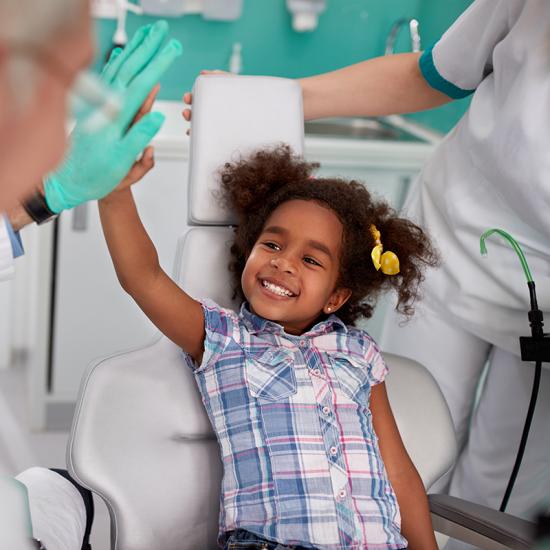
(394, 31)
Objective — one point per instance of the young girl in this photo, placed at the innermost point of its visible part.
(312, 455)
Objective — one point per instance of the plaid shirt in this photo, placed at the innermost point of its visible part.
(301, 459)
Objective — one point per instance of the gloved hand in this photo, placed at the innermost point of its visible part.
(96, 162)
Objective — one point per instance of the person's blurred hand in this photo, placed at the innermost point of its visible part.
(98, 161)
(188, 98)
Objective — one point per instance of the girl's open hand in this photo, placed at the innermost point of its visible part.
(147, 159)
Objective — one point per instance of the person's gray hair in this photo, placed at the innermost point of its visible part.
(32, 23)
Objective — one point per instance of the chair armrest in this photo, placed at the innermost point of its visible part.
(479, 525)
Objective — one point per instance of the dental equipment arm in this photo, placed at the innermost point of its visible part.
(98, 160)
(380, 86)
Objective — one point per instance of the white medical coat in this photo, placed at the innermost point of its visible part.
(57, 510)
(492, 170)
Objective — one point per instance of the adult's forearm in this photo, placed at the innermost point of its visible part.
(18, 216)
(380, 86)
(134, 256)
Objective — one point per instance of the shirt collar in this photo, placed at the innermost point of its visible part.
(256, 325)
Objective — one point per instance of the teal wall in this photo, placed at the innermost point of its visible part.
(349, 31)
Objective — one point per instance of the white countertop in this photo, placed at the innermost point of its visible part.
(172, 141)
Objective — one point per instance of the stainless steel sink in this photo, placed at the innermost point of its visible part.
(385, 129)
(360, 128)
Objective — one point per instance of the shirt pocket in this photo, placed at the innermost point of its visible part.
(352, 374)
(270, 375)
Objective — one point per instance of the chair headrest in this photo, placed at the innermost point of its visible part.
(233, 116)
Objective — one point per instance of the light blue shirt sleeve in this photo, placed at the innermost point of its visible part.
(15, 240)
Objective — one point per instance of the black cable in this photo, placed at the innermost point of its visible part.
(533, 348)
(532, 295)
(524, 436)
(536, 317)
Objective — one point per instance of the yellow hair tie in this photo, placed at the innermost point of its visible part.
(387, 261)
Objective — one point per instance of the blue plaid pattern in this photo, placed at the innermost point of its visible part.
(301, 460)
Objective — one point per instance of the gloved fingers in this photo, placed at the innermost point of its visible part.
(114, 54)
(144, 82)
(118, 59)
(139, 169)
(139, 136)
(141, 57)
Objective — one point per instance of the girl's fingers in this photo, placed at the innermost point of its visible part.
(147, 105)
(139, 169)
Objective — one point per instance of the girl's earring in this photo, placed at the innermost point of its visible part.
(329, 308)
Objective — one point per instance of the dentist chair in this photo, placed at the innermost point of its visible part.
(141, 439)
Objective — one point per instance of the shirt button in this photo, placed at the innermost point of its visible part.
(326, 409)
(342, 493)
(316, 372)
(303, 343)
(333, 451)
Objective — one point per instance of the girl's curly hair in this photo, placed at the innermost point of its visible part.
(255, 186)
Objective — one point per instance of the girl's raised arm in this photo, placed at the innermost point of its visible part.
(136, 263)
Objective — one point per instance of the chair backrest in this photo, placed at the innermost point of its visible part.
(232, 116)
(141, 438)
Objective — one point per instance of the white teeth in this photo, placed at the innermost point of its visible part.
(279, 290)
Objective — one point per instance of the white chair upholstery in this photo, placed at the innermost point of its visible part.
(140, 437)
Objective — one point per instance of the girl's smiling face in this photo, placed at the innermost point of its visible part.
(291, 274)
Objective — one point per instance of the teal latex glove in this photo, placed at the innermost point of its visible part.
(96, 162)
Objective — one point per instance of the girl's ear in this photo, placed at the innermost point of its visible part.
(336, 300)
